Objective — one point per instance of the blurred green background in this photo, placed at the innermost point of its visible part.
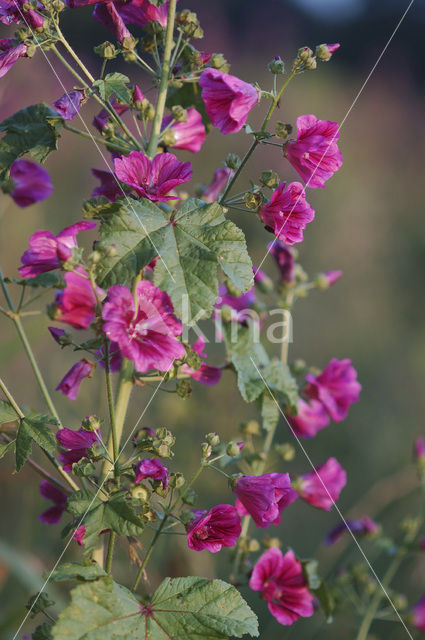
(369, 223)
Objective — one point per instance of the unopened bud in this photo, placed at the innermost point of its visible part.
(253, 200)
(163, 451)
(140, 493)
(213, 439)
(419, 450)
(166, 436)
(193, 360)
(218, 61)
(283, 130)
(58, 5)
(106, 50)
(253, 545)
(276, 65)
(95, 257)
(148, 110)
(310, 64)
(129, 56)
(270, 179)
(286, 451)
(206, 450)
(325, 52)
(91, 423)
(168, 138)
(233, 450)
(179, 113)
(233, 161)
(251, 428)
(304, 53)
(271, 542)
(177, 480)
(190, 497)
(183, 388)
(111, 251)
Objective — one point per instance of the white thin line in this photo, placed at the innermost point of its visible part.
(87, 510)
(337, 131)
(333, 501)
(95, 143)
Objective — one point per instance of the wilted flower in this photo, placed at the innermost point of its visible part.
(70, 383)
(148, 337)
(107, 14)
(53, 514)
(322, 486)
(69, 104)
(227, 99)
(206, 374)
(153, 469)
(311, 418)
(214, 529)
(76, 304)
(336, 388)
(48, 252)
(282, 584)
(284, 260)
(264, 497)
(31, 183)
(152, 179)
(77, 443)
(314, 154)
(19, 10)
(10, 52)
(189, 135)
(288, 212)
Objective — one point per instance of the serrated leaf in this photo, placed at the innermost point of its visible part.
(117, 514)
(34, 130)
(113, 84)
(74, 571)
(281, 381)
(269, 411)
(192, 245)
(33, 428)
(7, 412)
(248, 357)
(190, 608)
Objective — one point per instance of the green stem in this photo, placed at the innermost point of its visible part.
(163, 85)
(72, 53)
(112, 431)
(89, 136)
(256, 141)
(110, 554)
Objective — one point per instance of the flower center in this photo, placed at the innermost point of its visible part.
(202, 533)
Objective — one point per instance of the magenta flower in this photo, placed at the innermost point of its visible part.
(325, 52)
(280, 579)
(141, 12)
(227, 99)
(314, 154)
(311, 418)
(152, 179)
(76, 304)
(69, 104)
(264, 497)
(419, 449)
(206, 374)
(79, 534)
(332, 276)
(214, 529)
(240, 305)
(148, 338)
(107, 14)
(336, 388)
(189, 135)
(31, 183)
(288, 212)
(76, 444)
(48, 252)
(10, 53)
(103, 118)
(322, 486)
(53, 514)
(418, 611)
(138, 95)
(19, 10)
(284, 260)
(362, 527)
(153, 469)
(219, 181)
(70, 383)
(56, 333)
(109, 186)
(115, 357)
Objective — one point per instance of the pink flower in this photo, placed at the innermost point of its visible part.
(48, 252)
(107, 14)
(311, 418)
(9, 54)
(325, 52)
(69, 104)
(138, 95)
(264, 497)
(148, 338)
(280, 579)
(141, 12)
(332, 276)
(189, 135)
(419, 614)
(362, 527)
(77, 443)
(109, 186)
(205, 374)
(419, 448)
(152, 179)
(241, 305)
(153, 469)
(53, 514)
(212, 530)
(70, 383)
(284, 260)
(31, 183)
(76, 304)
(288, 212)
(79, 534)
(321, 487)
(219, 181)
(19, 10)
(314, 154)
(336, 388)
(227, 99)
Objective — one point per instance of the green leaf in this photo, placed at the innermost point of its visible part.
(42, 632)
(117, 514)
(4, 448)
(113, 83)
(326, 600)
(34, 130)
(192, 244)
(34, 428)
(248, 357)
(281, 381)
(269, 411)
(74, 571)
(190, 608)
(7, 412)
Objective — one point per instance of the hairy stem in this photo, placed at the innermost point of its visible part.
(110, 554)
(163, 85)
(113, 429)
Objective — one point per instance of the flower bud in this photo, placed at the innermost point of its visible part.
(188, 22)
(169, 138)
(283, 130)
(166, 436)
(253, 200)
(193, 360)
(213, 439)
(148, 110)
(233, 161)
(58, 5)
(137, 96)
(298, 366)
(276, 65)
(325, 52)
(111, 251)
(129, 56)
(253, 545)
(206, 450)
(328, 278)
(190, 497)
(218, 61)
(233, 450)
(270, 179)
(95, 257)
(91, 423)
(310, 64)
(163, 451)
(286, 451)
(106, 50)
(177, 480)
(179, 114)
(250, 428)
(183, 388)
(271, 542)
(304, 53)
(140, 493)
